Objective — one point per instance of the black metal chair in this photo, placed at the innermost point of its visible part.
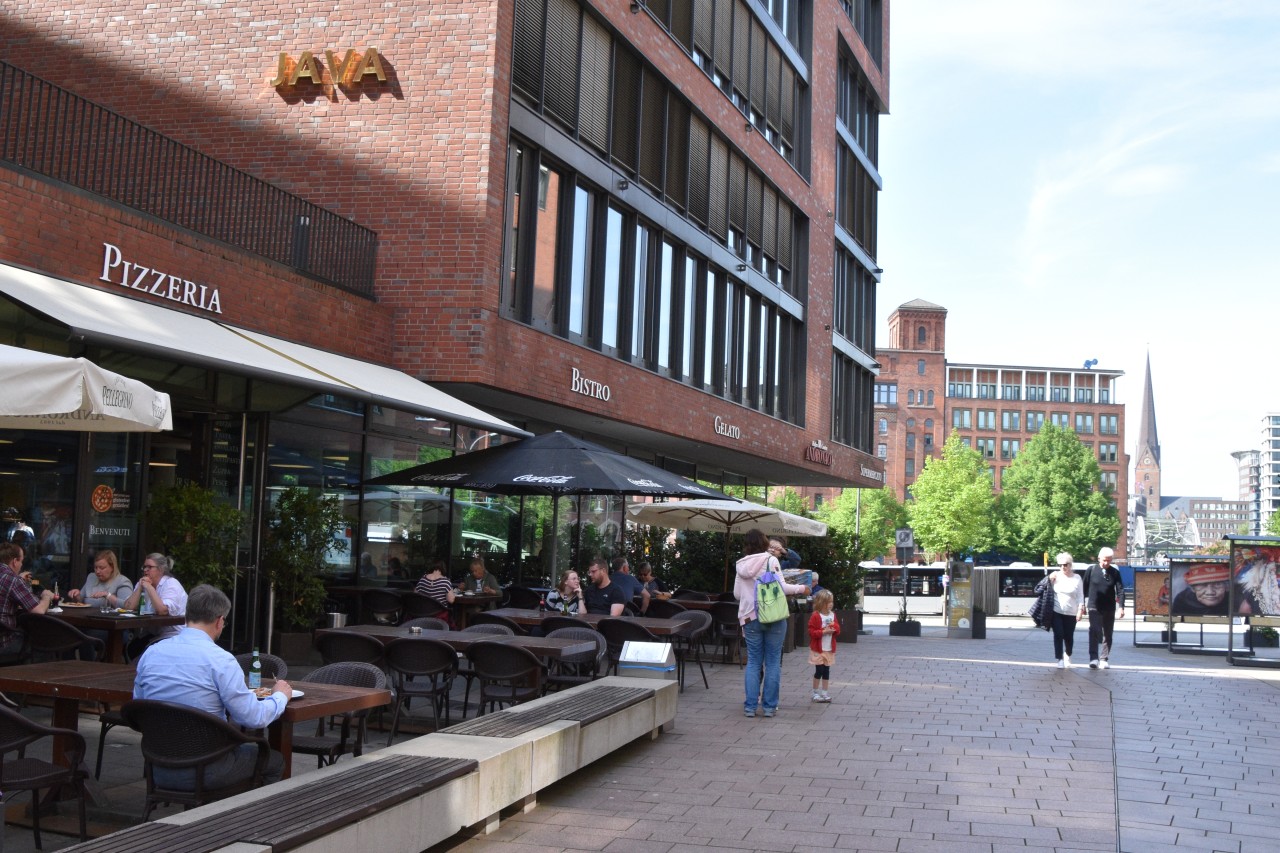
(422, 669)
(272, 666)
(508, 675)
(691, 595)
(348, 647)
(690, 642)
(328, 748)
(52, 638)
(726, 630)
(464, 666)
(426, 623)
(571, 670)
(664, 608)
(417, 605)
(522, 597)
(33, 774)
(726, 596)
(617, 632)
(381, 606)
(177, 737)
(483, 618)
(555, 623)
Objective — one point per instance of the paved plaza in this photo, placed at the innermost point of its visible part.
(929, 744)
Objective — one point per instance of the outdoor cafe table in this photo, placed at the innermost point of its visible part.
(465, 604)
(533, 618)
(68, 682)
(543, 647)
(115, 624)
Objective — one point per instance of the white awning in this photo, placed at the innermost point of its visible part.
(119, 322)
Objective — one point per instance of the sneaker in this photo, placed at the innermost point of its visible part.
(750, 712)
(769, 712)
(1062, 664)
(1105, 664)
(826, 697)
(1093, 664)
(817, 696)
(1066, 660)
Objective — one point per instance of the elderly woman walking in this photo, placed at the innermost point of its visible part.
(1068, 606)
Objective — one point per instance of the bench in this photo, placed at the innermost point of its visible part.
(583, 707)
(288, 819)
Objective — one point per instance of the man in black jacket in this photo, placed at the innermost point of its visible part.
(1104, 595)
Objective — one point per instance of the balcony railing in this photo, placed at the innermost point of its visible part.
(53, 132)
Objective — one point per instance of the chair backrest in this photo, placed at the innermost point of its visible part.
(272, 666)
(17, 732)
(523, 598)
(52, 636)
(725, 613)
(417, 605)
(726, 596)
(347, 646)
(599, 656)
(489, 628)
(426, 623)
(619, 631)
(660, 608)
(382, 605)
(349, 674)
(500, 662)
(178, 736)
(555, 623)
(700, 622)
(483, 618)
(421, 657)
(691, 595)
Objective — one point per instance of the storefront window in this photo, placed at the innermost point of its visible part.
(38, 478)
(115, 500)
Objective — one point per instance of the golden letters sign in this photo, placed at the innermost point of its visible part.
(351, 71)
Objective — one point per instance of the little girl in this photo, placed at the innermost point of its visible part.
(823, 630)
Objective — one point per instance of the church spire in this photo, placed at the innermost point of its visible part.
(1146, 472)
(1147, 438)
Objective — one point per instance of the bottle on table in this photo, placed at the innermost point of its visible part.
(255, 671)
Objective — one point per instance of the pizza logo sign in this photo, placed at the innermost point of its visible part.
(102, 498)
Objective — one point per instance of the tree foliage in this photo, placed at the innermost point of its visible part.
(198, 531)
(1273, 524)
(300, 529)
(952, 499)
(871, 517)
(1051, 500)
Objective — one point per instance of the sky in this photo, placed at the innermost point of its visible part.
(1096, 179)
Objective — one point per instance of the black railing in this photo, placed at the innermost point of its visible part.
(54, 132)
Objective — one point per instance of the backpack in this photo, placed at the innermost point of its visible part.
(771, 601)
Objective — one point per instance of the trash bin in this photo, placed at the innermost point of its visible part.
(335, 620)
(979, 626)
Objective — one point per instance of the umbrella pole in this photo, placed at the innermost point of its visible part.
(555, 541)
(726, 559)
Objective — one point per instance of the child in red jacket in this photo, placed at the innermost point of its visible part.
(823, 630)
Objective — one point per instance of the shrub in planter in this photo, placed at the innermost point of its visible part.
(301, 528)
(200, 533)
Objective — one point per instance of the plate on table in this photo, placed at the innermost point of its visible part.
(264, 692)
(72, 604)
(120, 612)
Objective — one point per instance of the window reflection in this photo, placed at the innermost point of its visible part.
(544, 261)
(612, 279)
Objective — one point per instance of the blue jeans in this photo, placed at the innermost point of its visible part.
(764, 652)
(236, 767)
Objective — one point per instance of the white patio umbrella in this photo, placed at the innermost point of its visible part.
(43, 391)
(725, 517)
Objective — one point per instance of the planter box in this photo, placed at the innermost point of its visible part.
(1264, 642)
(910, 628)
(293, 647)
(850, 624)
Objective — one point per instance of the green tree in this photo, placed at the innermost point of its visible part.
(952, 500)
(200, 532)
(1273, 524)
(871, 517)
(1052, 500)
(300, 529)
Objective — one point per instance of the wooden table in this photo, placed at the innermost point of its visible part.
(544, 647)
(533, 618)
(464, 605)
(114, 624)
(68, 682)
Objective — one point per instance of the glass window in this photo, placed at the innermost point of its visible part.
(886, 394)
(545, 244)
(580, 270)
(884, 426)
(961, 418)
(920, 367)
(613, 263)
(1011, 421)
(662, 324)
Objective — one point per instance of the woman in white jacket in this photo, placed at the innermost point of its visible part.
(764, 642)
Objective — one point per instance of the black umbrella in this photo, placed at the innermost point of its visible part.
(550, 464)
(553, 464)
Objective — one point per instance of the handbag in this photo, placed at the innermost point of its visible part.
(771, 601)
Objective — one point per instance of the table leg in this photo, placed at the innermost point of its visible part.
(66, 715)
(280, 737)
(115, 647)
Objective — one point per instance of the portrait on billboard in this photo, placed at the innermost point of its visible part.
(1199, 589)
(1257, 587)
(1151, 593)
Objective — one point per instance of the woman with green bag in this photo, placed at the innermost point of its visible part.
(760, 590)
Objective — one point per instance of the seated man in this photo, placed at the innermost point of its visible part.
(599, 595)
(192, 669)
(628, 583)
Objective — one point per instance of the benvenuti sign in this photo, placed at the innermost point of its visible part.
(351, 71)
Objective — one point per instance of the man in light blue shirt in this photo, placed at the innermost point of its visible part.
(192, 669)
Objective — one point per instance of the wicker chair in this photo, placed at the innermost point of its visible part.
(348, 647)
(426, 623)
(690, 642)
(422, 669)
(664, 608)
(417, 605)
(572, 670)
(328, 748)
(483, 618)
(691, 595)
(52, 638)
(555, 623)
(617, 632)
(464, 666)
(726, 630)
(33, 774)
(381, 606)
(272, 666)
(178, 737)
(508, 675)
(522, 597)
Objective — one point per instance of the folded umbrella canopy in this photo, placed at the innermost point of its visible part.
(42, 391)
(724, 517)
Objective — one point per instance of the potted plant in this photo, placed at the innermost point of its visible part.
(301, 529)
(904, 625)
(189, 524)
(1265, 637)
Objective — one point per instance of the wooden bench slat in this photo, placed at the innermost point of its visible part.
(586, 707)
